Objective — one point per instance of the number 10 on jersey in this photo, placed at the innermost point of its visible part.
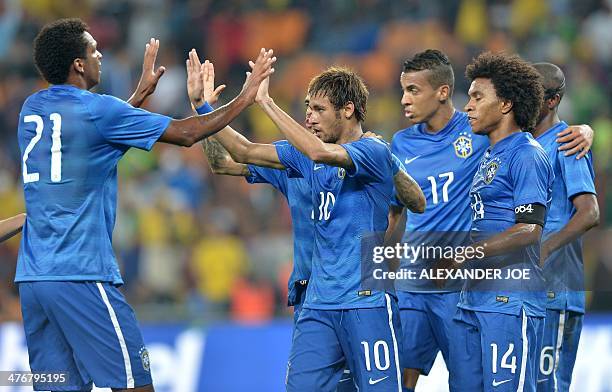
(56, 147)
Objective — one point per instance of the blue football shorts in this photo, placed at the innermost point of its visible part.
(85, 329)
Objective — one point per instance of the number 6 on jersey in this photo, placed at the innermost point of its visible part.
(56, 147)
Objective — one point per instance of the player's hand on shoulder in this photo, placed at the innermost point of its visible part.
(576, 139)
(372, 134)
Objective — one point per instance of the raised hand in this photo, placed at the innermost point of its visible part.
(260, 70)
(210, 94)
(195, 84)
(150, 76)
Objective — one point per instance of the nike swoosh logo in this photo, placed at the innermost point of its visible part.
(318, 167)
(373, 382)
(407, 161)
(545, 379)
(498, 383)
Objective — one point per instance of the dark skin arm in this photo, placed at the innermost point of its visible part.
(519, 236)
(585, 218)
(516, 237)
(11, 226)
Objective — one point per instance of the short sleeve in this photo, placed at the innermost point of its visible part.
(298, 164)
(531, 175)
(265, 175)
(121, 123)
(371, 159)
(397, 165)
(578, 174)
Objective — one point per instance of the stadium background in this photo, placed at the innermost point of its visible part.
(206, 259)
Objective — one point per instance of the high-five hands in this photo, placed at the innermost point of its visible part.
(261, 69)
(201, 81)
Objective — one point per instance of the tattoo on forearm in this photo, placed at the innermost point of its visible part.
(219, 158)
(215, 153)
(408, 191)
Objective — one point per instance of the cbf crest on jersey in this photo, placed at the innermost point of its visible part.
(491, 170)
(341, 173)
(463, 145)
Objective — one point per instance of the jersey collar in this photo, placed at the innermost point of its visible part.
(507, 142)
(448, 128)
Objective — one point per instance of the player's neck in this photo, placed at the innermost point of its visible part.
(77, 81)
(350, 135)
(440, 119)
(550, 120)
(505, 128)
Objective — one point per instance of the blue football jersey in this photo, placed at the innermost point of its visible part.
(512, 173)
(564, 269)
(443, 164)
(70, 141)
(348, 206)
(297, 192)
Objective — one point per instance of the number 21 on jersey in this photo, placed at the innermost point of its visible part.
(56, 147)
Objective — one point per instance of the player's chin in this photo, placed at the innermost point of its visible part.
(476, 128)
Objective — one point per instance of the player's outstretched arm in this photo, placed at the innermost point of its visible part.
(300, 137)
(11, 226)
(409, 192)
(149, 77)
(188, 131)
(585, 218)
(576, 139)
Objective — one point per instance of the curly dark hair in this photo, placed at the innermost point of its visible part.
(56, 46)
(514, 80)
(341, 85)
(441, 70)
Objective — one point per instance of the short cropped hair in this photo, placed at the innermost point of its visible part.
(441, 70)
(514, 80)
(341, 85)
(56, 46)
(553, 79)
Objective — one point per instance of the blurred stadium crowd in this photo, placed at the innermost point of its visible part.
(195, 247)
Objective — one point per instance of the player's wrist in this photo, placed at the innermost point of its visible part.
(204, 108)
(264, 101)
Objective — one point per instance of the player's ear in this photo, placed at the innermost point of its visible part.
(553, 102)
(505, 106)
(349, 110)
(444, 93)
(79, 65)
